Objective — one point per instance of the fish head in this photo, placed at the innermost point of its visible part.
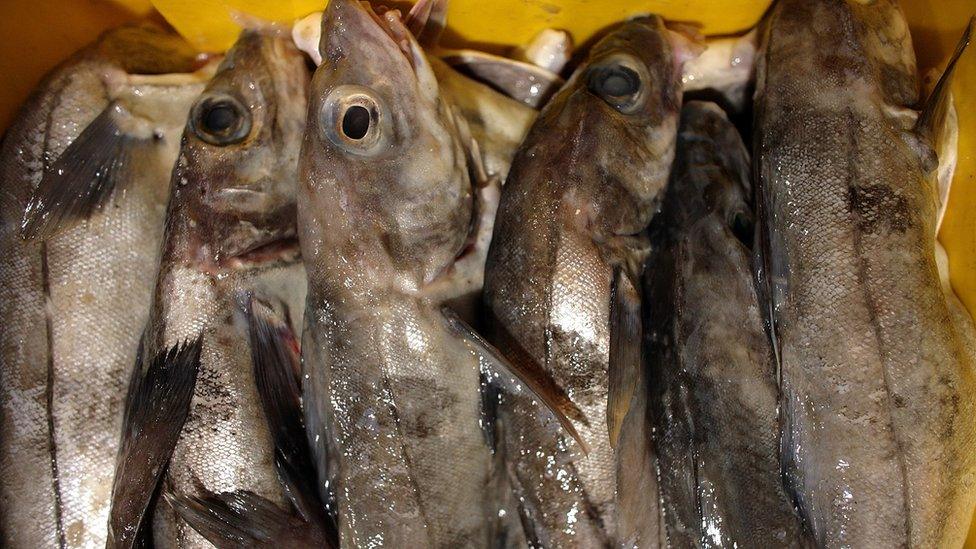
(384, 181)
(237, 172)
(616, 120)
(710, 182)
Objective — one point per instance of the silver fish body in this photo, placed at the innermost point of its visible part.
(585, 180)
(386, 207)
(69, 304)
(711, 374)
(878, 382)
(231, 216)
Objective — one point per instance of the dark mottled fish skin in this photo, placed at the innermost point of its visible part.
(586, 178)
(391, 392)
(878, 381)
(710, 367)
(60, 395)
(230, 221)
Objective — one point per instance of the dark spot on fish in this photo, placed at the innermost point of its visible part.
(840, 66)
(422, 422)
(898, 86)
(898, 401)
(879, 208)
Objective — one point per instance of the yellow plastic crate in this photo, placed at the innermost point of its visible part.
(37, 34)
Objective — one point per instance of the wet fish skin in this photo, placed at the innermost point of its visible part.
(711, 371)
(390, 392)
(496, 121)
(88, 283)
(585, 180)
(877, 378)
(231, 215)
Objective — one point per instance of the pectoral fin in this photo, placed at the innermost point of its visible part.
(526, 371)
(84, 177)
(277, 369)
(625, 351)
(525, 82)
(932, 118)
(244, 519)
(156, 410)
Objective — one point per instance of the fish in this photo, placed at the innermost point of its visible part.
(230, 236)
(393, 381)
(493, 126)
(84, 171)
(878, 387)
(710, 373)
(498, 122)
(584, 185)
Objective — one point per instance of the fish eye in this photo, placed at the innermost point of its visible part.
(355, 123)
(352, 118)
(618, 81)
(742, 226)
(221, 120)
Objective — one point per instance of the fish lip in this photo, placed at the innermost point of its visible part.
(367, 11)
(280, 250)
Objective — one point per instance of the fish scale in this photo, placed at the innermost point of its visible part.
(586, 178)
(710, 389)
(392, 393)
(62, 396)
(877, 380)
(232, 207)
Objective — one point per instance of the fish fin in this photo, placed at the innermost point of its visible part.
(427, 20)
(528, 372)
(276, 356)
(527, 83)
(933, 116)
(276, 359)
(504, 467)
(627, 253)
(244, 519)
(625, 351)
(490, 394)
(84, 177)
(154, 418)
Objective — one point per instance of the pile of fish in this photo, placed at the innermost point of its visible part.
(386, 293)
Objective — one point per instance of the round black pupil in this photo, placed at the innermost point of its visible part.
(219, 118)
(619, 81)
(355, 123)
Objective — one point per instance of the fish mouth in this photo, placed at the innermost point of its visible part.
(388, 20)
(280, 251)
